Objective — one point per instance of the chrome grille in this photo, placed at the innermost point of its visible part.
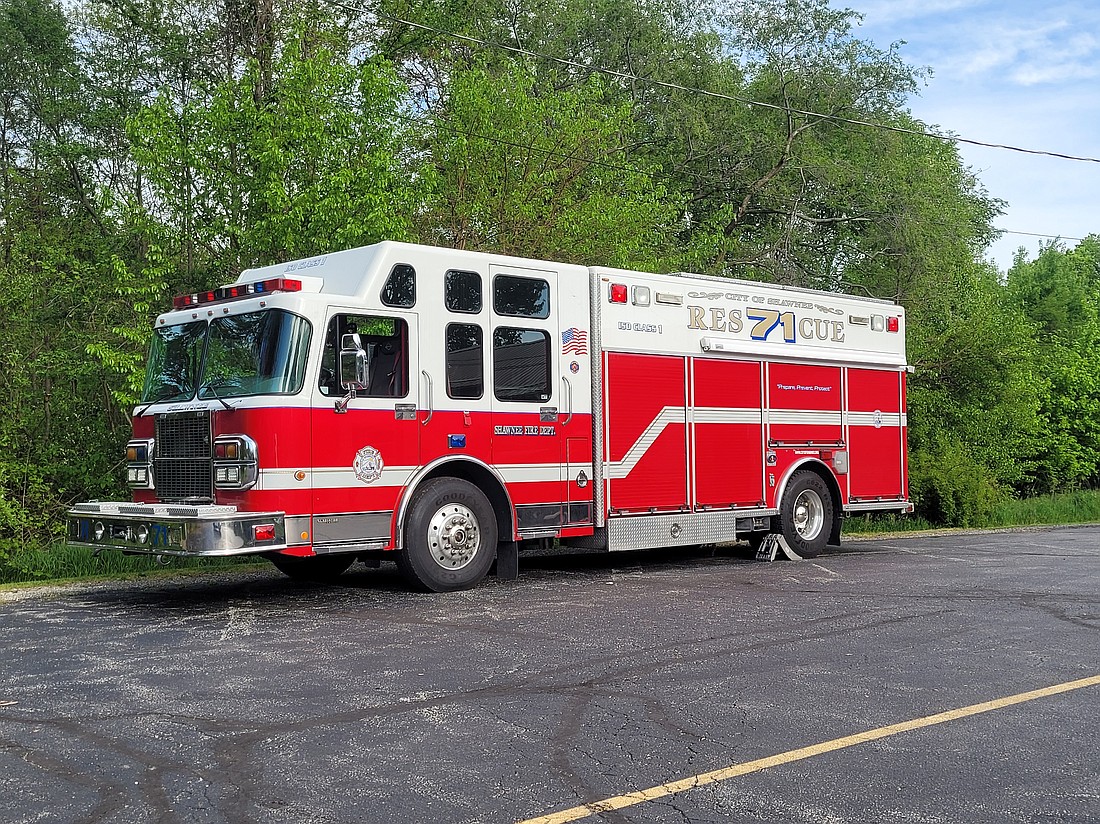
(183, 465)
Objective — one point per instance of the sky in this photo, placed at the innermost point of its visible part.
(1015, 72)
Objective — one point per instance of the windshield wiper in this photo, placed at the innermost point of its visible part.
(162, 396)
(210, 384)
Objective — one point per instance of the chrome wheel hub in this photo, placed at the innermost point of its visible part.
(453, 536)
(809, 515)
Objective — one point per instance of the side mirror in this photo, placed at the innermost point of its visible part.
(354, 364)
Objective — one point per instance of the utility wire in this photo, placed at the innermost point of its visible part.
(731, 97)
(444, 125)
(1038, 234)
(438, 123)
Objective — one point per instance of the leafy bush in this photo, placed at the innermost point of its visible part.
(949, 487)
(27, 509)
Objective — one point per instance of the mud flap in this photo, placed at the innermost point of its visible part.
(772, 545)
(507, 563)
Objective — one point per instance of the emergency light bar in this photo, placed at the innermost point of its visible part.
(236, 291)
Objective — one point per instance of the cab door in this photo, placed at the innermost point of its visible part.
(365, 451)
(526, 396)
(455, 407)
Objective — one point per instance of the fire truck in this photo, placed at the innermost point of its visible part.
(450, 408)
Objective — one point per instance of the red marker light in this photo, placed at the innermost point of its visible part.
(279, 285)
(263, 532)
(241, 291)
(618, 293)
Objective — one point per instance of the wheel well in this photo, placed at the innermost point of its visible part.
(488, 483)
(831, 484)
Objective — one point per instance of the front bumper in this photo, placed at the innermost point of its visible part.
(175, 529)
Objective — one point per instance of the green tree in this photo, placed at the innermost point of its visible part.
(55, 236)
(262, 169)
(1060, 292)
(522, 168)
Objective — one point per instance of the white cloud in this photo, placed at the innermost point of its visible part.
(1053, 53)
(1012, 40)
(1017, 73)
(1076, 58)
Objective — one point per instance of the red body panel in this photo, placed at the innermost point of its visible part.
(647, 435)
(735, 460)
(876, 447)
(796, 388)
(729, 453)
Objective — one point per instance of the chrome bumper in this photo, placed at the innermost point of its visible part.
(175, 529)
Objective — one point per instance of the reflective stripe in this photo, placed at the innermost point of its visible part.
(343, 477)
(806, 417)
(710, 414)
(623, 467)
(877, 419)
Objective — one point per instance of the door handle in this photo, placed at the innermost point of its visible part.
(568, 398)
(431, 408)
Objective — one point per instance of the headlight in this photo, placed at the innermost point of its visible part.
(139, 464)
(236, 462)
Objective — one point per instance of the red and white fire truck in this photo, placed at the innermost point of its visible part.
(452, 407)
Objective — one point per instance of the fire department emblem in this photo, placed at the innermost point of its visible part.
(368, 464)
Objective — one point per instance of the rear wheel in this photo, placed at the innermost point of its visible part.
(450, 536)
(806, 514)
(312, 568)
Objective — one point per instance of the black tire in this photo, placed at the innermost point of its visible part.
(450, 536)
(806, 514)
(314, 567)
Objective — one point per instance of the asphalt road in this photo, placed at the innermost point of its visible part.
(250, 698)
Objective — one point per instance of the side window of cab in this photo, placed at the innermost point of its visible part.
(386, 342)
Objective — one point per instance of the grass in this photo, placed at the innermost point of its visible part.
(64, 563)
(1067, 508)
(67, 563)
(1047, 510)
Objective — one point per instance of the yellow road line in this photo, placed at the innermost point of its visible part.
(691, 782)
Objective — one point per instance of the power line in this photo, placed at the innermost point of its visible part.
(653, 174)
(731, 97)
(1037, 234)
(439, 123)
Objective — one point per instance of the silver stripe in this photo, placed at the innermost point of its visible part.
(339, 477)
(529, 473)
(668, 415)
(892, 505)
(708, 414)
(330, 477)
(884, 419)
(812, 418)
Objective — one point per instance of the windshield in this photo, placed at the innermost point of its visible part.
(258, 353)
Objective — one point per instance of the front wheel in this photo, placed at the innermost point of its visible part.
(450, 536)
(806, 514)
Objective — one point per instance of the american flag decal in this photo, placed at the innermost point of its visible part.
(574, 341)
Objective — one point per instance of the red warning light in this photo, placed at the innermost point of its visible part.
(892, 324)
(263, 532)
(618, 293)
